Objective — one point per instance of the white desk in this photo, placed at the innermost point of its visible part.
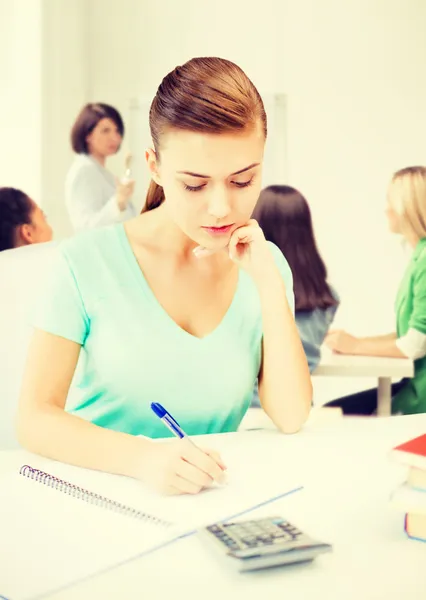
(385, 369)
(348, 479)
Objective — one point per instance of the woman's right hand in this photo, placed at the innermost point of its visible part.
(180, 467)
(124, 191)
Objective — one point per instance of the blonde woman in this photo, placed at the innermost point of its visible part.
(406, 213)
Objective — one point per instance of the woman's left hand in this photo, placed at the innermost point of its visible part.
(341, 342)
(249, 250)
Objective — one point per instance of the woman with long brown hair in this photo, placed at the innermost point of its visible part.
(185, 305)
(284, 216)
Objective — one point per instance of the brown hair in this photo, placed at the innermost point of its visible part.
(86, 121)
(208, 95)
(284, 216)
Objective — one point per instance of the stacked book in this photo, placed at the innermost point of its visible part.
(410, 497)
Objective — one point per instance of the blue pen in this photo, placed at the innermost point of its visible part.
(169, 421)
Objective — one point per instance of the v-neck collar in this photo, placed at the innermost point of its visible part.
(143, 283)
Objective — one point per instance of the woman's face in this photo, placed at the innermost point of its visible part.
(211, 182)
(42, 231)
(391, 214)
(105, 139)
(38, 230)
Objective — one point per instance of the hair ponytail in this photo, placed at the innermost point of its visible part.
(154, 197)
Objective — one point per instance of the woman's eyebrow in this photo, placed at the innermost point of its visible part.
(208, 176)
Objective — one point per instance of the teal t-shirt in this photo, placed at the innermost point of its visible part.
(133, 353)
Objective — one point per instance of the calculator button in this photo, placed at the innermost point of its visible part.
(248, 539)
(213, 528)
(251, 544)
(264, 538)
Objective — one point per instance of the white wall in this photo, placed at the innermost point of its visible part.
(20, 98)
(353, 72)
(44, 76)
(65, 88)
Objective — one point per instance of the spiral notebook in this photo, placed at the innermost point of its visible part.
(60, 524)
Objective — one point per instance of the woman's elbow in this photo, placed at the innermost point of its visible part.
(291, 419)
(293, 423)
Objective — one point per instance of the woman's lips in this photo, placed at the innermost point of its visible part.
(219, 230)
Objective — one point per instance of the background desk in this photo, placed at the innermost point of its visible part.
(348, 479)
(384, 369)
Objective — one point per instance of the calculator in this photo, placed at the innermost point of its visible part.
(261, 543)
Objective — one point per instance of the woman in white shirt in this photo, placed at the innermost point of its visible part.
(94, 197)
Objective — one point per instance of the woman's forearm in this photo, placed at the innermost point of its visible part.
(285, 386)
(378, 346)
(56, 434)
(380, 338)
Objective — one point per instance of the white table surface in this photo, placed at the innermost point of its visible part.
(348, 478)
(363, 366)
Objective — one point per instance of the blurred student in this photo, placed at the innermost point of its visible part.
(284, 216)
(22, 222)
(406, 214)
(94, 196)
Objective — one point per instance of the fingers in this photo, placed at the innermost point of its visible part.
(126, 187)
(183, 486)
(216, 457)
(193, 475)
(204, 462)
(171, 490)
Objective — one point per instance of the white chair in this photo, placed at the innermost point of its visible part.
(22, 273)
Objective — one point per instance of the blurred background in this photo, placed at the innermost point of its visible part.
(349, 77)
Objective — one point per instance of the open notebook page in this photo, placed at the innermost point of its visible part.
(57, 539)
(253, 475)
(50, 539)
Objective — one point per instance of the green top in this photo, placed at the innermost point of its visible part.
(133, 353)
(410, 307)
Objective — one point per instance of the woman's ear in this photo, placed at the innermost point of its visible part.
(24, 234)
(152, 162)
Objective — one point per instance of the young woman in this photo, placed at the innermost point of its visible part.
(22, 221)
(94, 197)
(284, 216)
(185, 305)
(406, 215)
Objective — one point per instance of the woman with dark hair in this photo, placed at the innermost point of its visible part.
(185, 305)
(285, 218)
(94, 197)
(22, 221)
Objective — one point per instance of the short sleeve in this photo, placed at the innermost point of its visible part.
(286, 273)
(59, 308)
(418, 316)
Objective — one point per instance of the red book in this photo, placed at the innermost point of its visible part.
(412, 453)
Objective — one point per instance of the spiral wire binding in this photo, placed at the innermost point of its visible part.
(90, 497)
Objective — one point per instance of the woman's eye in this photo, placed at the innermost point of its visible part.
(243, 184)
(198, 188)
(194, 188)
